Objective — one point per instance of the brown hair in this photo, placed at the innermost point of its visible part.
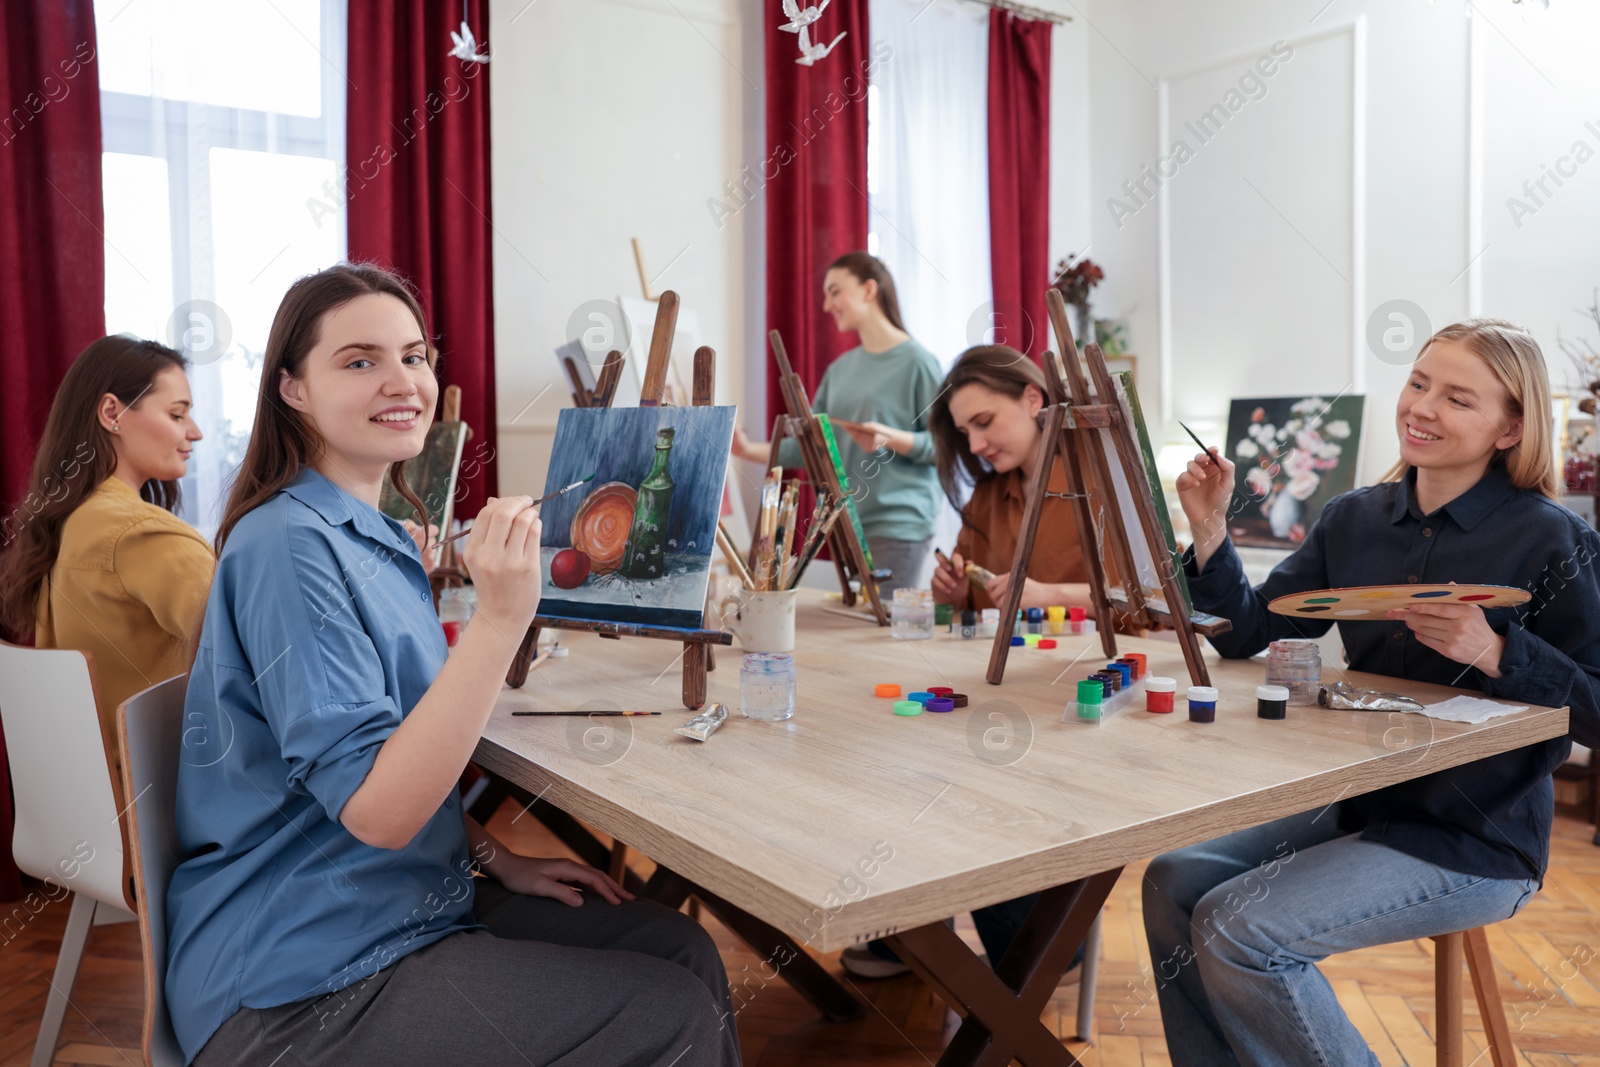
(999, 368)
(282, 443)
(1515, 357)
(75, 456)
(869, 268)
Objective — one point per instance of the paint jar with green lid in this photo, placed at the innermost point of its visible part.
(1091, 696)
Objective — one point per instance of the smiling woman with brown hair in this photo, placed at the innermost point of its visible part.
(328, 899)
(99, 562)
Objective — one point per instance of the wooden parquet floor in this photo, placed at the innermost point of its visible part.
(1547, 961)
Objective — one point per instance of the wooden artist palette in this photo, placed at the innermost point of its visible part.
(1369, 602)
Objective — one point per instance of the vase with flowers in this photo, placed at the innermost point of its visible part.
(1074, 278)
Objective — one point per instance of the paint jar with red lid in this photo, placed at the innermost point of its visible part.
(1160, 695)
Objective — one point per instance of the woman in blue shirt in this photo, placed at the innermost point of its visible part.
(327, 910)
(1237, 925)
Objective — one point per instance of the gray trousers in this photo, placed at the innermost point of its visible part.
(908, 560)
(546, 985)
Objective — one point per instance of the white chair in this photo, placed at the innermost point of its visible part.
(68, 829)
(150, 734)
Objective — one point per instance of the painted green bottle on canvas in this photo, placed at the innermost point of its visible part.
(646, 553)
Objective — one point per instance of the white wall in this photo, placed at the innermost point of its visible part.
(1070, 223)
(1421, 229)
(611, 119)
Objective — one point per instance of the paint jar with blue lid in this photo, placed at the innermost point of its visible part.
(1296, 664)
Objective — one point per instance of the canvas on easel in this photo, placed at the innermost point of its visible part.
(433, 473)
(640, 592)
(1100, 435)
(846, 542)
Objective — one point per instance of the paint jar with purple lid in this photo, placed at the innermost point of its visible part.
(1296, 664)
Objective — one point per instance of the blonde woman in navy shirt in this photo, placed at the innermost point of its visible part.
(1237, 925)
(327, 910)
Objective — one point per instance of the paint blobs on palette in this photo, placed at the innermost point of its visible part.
(1372, 603)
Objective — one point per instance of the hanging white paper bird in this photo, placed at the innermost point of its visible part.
(800, 18)
(466, 46)
(810, 53)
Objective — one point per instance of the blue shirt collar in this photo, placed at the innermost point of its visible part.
(337, 507)
(1466, 510)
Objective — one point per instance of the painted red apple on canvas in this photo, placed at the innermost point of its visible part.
(569, 568)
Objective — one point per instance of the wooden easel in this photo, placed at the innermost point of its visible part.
(844, 545)
(1073, 422)
(696, 643)
(605, 386)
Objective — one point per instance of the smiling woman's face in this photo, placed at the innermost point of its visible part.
(366, 387)
(1453, 411)
(154, 437)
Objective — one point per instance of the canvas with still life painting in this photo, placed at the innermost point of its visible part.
(1292, 456)
(634, 544)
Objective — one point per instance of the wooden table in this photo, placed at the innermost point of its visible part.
(848, 822)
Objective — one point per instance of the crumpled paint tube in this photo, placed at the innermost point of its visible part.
(705, 724)
(1346, 697)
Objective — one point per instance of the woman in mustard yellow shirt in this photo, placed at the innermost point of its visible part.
(94, 557)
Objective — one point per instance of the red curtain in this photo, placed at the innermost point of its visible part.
(1019, 178)
(815, 178)
(418, 187)
(52, 248)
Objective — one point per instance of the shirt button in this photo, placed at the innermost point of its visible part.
(1412, 578)
(1398, 634)
(1427, 531)
(426, 596)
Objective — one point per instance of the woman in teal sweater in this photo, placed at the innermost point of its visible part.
(879, 392)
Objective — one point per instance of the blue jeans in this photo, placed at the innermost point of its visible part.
(1236, 926)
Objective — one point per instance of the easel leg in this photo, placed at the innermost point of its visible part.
(1089, 539)
(694, 674)
(522, 662)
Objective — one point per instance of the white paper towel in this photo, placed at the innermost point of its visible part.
(1472, 710)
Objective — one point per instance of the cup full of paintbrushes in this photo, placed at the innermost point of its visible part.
(762, 621)
(761, 616)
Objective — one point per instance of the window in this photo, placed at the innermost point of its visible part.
(224, 144)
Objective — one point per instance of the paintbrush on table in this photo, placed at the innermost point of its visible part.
(536, 503)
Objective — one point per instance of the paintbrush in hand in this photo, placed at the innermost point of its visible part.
(1196, 439)
(536, 503)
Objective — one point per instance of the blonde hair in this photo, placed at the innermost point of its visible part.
(1516, 360)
